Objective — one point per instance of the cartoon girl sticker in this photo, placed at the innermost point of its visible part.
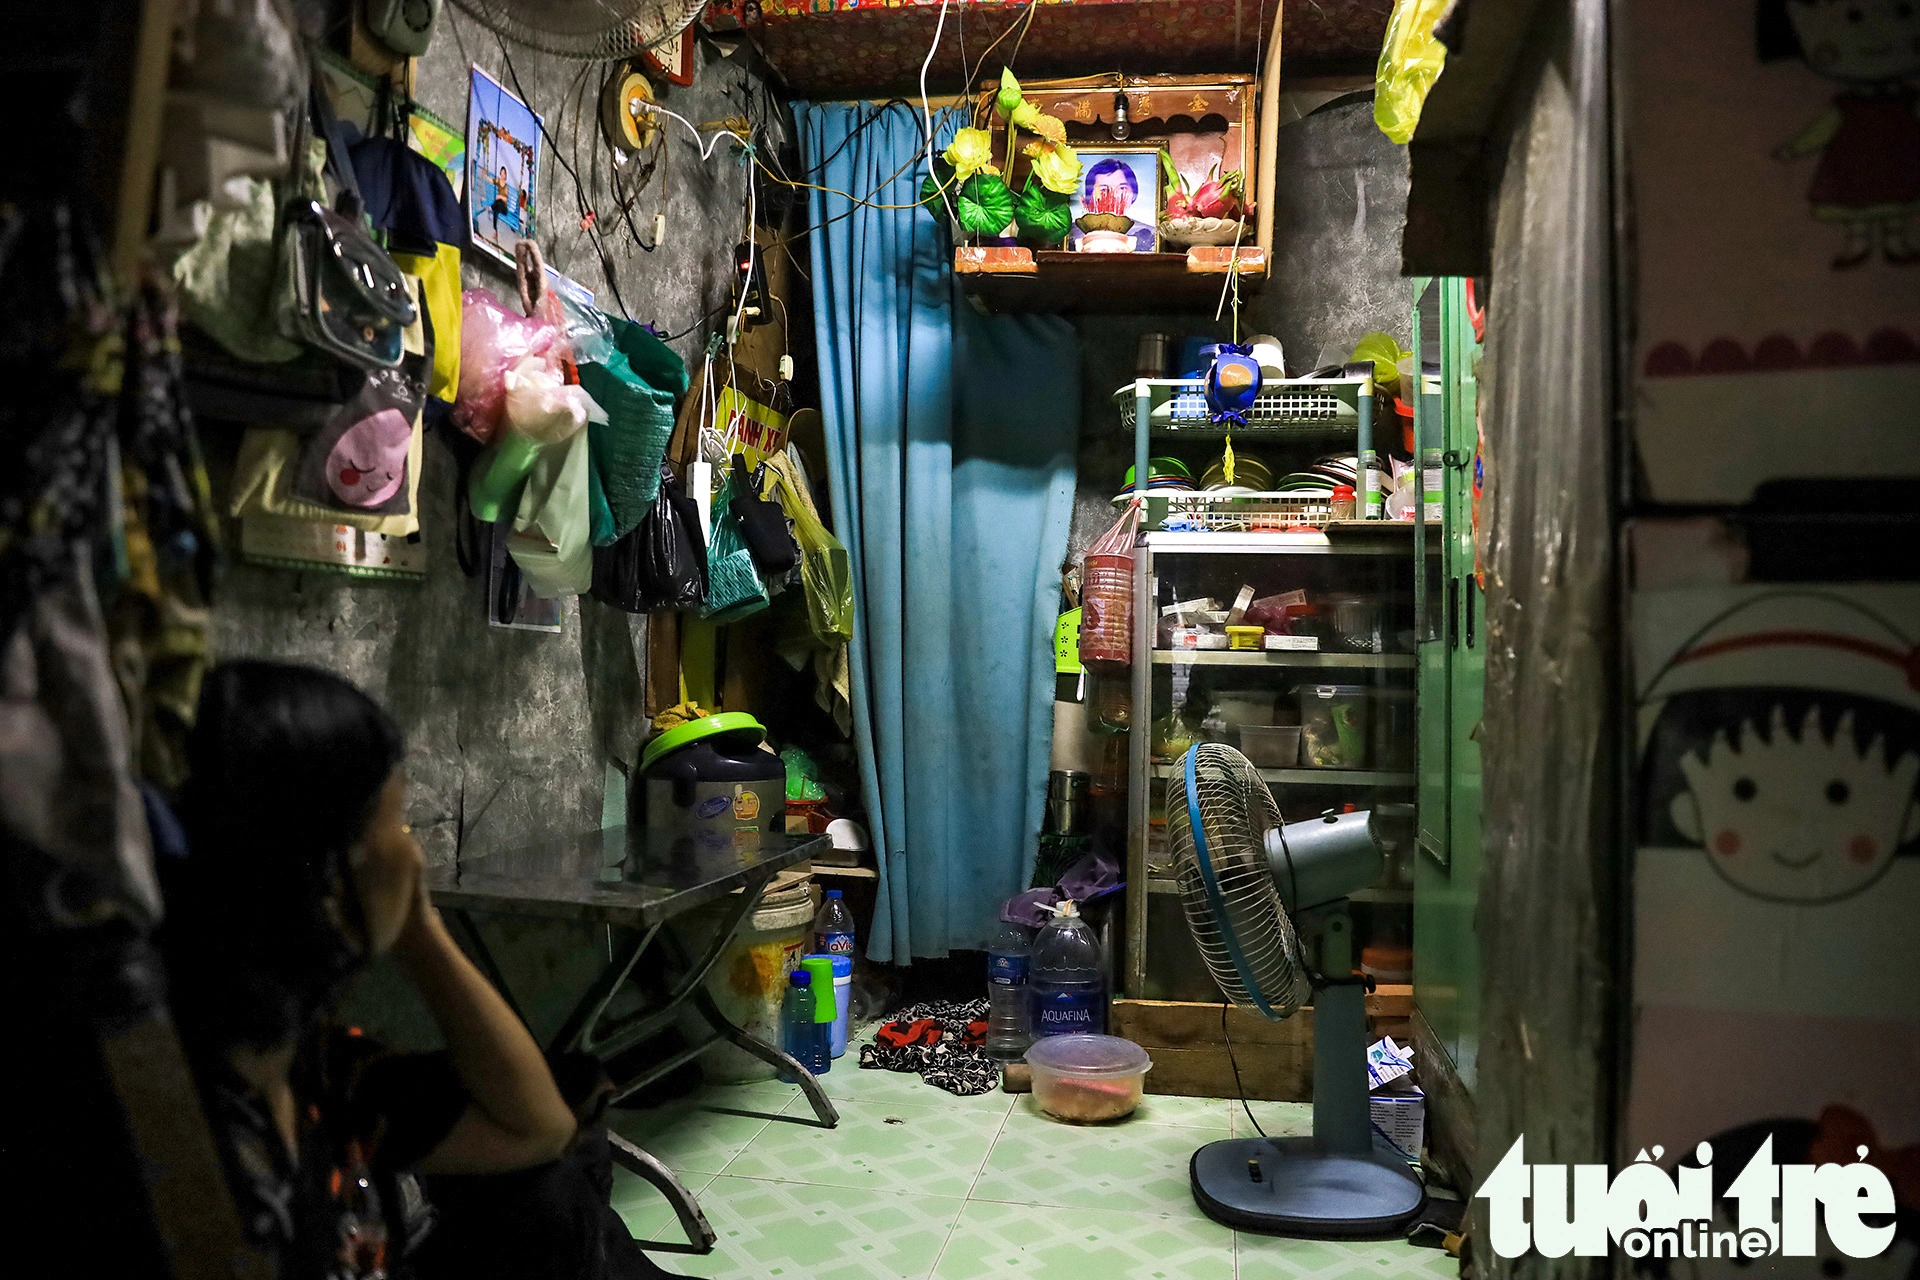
(1783, 739)
(1868, 177)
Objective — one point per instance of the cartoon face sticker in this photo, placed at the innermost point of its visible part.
(369, 461)
(1858, 40)
(1793, 815)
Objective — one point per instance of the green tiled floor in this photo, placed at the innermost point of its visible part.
(915, 1184)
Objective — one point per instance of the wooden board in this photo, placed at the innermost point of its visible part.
(1453, 1128)
(1275, 1059)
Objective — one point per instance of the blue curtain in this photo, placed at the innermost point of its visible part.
(950, 467)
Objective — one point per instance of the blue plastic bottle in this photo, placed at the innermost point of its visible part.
(833, 927)
(806, 1039)
(1069, 981)
(1009, 1003)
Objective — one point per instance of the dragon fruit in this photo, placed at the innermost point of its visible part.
(1177, 205)
(1217, 197)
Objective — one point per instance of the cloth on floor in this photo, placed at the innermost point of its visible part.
(1092, 876)
(941, 1041)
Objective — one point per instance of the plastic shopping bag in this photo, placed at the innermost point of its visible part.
(494, 341)
(1410, 61)
(661, 563)
(826, 571)
(1106, 594)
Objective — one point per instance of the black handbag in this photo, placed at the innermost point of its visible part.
(763, 526)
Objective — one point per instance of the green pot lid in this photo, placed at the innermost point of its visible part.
(1159, 467)
(685, 735)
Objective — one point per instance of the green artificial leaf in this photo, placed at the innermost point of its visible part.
(985, 206)
(1055, 164)
(1011, 96)
(932, 196)
(1044, 216)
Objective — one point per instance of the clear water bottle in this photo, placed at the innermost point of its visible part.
(806, 1039)
(1069, 982)
(833, 927)
(1009, 1021)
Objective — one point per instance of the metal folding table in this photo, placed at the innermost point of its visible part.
(640, 881)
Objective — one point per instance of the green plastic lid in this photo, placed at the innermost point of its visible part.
(826, 1005)
(685, 735)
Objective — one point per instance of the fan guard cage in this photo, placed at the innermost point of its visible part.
(1237, 915)
(585, 30)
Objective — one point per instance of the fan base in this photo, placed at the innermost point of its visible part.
(1304, 1189)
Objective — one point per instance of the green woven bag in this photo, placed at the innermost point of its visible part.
(637, 386)
(734, 589)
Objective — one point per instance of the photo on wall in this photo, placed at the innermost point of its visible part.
(1116, 208)
(503, 168)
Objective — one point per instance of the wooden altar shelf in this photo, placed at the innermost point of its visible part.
(1059, 282)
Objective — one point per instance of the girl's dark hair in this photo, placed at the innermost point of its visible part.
(1689, 721)
(287, 764)
(1773, 36)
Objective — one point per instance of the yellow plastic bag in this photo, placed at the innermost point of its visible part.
(826, 571)
(1410, 61)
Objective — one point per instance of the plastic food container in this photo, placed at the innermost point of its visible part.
(1359, 623)
(1333, 725)
(1088, 1079)
(1244, 706)
(1270, 746)
(1393, 729)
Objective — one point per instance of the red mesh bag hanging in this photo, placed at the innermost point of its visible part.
(1106, 593)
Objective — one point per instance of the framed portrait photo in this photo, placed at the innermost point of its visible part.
(1116, 206)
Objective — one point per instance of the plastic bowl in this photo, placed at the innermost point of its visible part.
(1088, 1079)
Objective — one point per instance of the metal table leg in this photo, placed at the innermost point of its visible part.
(700, 1235)
(809, 1084)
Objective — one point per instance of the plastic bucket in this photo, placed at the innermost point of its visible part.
(750, 978)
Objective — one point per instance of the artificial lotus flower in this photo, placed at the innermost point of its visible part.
(1033, 120)
(970, 152)
(1010, 96)
(1055, 164)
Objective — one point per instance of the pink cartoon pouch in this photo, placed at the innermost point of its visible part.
(358, 461)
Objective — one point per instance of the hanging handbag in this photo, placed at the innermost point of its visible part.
(734, 588)
(349, 299)
(763, 525)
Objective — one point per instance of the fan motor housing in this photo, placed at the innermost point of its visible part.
(1325, 859)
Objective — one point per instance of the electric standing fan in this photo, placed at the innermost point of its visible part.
(1249, 882)
(586, 30)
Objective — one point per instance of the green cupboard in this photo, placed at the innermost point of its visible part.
(1450, 617)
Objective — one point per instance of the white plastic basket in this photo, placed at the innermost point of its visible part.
(1177, 512)
(1295, 406)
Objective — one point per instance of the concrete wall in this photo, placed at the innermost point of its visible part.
(511, 732)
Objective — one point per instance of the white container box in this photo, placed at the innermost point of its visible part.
(1402, 1116)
